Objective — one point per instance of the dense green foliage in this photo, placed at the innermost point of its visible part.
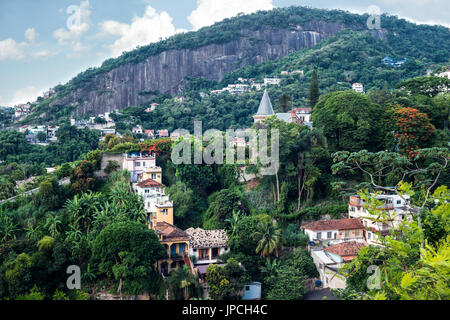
(99, 224)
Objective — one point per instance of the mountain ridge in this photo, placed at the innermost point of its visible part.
(136, 76)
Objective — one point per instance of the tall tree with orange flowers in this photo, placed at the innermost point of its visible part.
(413, 129)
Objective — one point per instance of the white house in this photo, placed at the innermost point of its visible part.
(358, 87)
(444, 75)
(334, 231)
(138, 130)
(207, 245)
(329, 260)
(394, 205)
(272, 81)
(138, 162)
(151, 191)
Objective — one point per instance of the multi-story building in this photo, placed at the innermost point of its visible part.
(394, 205)
(160, 211)
(176, 242)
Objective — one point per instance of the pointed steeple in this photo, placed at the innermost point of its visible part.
(265, 107)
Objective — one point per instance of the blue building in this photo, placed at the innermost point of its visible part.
(393, 62)
(252, 291)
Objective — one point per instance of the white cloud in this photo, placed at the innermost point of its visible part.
(151, 27)
(43, 54)
(78, 24)
(210, 11)
(24, 95)
(10, 49)
(30, 35)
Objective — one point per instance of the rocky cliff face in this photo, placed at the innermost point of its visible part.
(126, 85)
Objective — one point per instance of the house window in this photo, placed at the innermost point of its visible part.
(153, 176)
(356, 233)
(329, 235)
(399, 201)
(203, 254)
(215, 253)
(165, 212)
(319, 235)
(137, 164)
(347, 233)
(369, 235)
(247, 288)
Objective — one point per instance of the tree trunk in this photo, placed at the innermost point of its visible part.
(278, 187)
(274, 194)
(299, 180)
(119, 289)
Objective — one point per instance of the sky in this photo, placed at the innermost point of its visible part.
(47, 42)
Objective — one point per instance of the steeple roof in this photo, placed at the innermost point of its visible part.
(265, 107)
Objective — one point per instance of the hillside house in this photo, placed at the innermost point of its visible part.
(300, 116)
(163, 133)
(394, 205)
(334, 231)
(358, 87)
(445, 74)
(137, 130)
(207, 245)
(329, 260)
(272, 81)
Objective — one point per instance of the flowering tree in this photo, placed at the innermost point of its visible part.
(413, 129)
(159, 146)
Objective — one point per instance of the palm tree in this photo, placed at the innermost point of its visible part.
(270, 268)
(182, 279)
(52, 224)
(33, 233)
(233, 221)
(74, 235)
(7, 226)
(269, 239)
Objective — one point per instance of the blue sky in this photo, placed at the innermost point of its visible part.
(46, 42)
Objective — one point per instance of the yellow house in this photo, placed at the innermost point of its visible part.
(176, 242)
(154, 173)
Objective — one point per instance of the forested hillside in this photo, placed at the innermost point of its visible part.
(320, 39)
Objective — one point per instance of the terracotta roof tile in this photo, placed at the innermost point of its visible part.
(345, 249)
(201, 238)
(149, 183)
(170, 232)
(341, 224)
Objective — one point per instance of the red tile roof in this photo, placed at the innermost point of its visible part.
(149, 183)
(341, 224)
(170, 232)
(345, 249)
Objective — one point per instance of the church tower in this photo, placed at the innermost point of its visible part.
(265, 109)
